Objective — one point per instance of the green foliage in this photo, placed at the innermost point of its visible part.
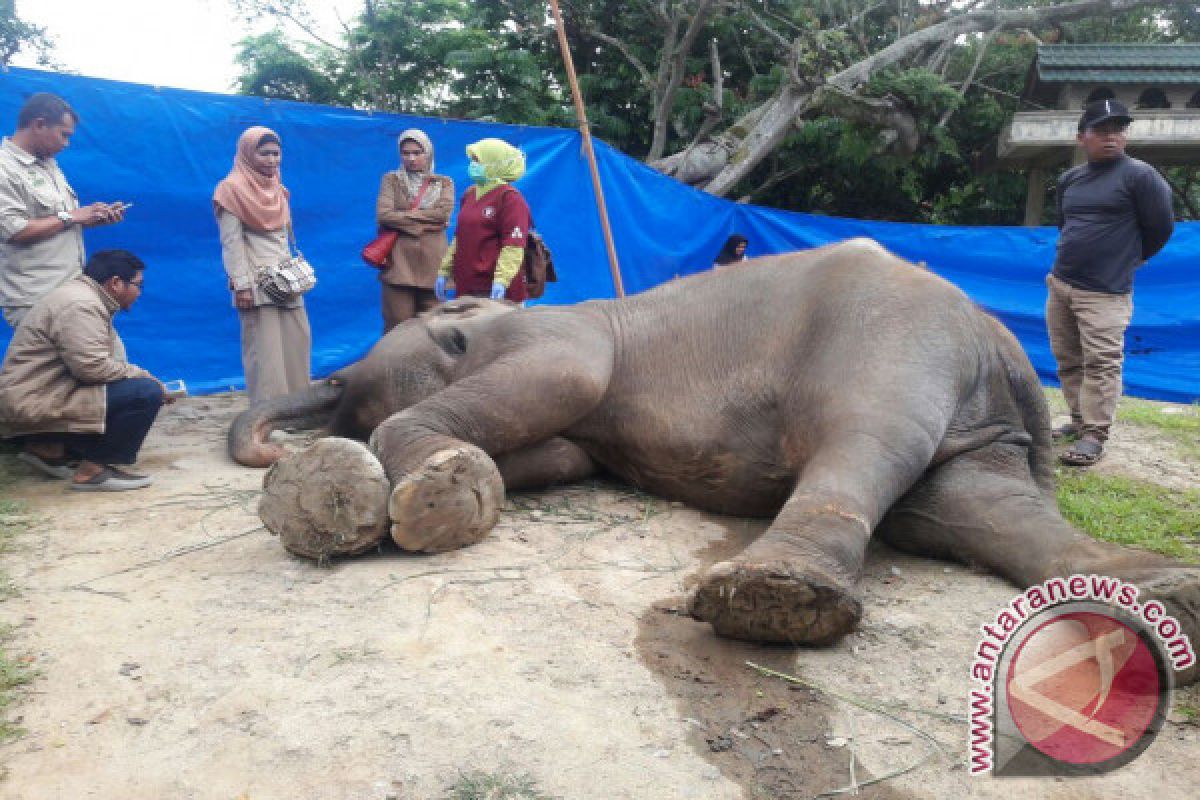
(273, 67)
(499, 60)
(16, 35)
(15, 671)
(477, 785)
(1131, 512)
(1179, 423)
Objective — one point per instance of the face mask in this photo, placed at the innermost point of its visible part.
(477, 172)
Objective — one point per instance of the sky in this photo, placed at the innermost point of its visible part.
(185, 44)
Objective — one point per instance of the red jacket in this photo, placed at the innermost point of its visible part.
(499, 219)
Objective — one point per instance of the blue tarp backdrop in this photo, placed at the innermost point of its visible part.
(165, 149)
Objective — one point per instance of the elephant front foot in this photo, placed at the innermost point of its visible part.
(775, 602)
(450, 501)
(327, 500)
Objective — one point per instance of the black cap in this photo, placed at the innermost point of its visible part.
(1102, 111)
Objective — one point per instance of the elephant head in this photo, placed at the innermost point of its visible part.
(415, 360)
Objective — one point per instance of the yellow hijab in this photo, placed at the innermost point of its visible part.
(502, 162)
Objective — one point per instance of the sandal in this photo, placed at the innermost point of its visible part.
(61, 467)
(1083, 453)
(1068, 432)
(111, 479)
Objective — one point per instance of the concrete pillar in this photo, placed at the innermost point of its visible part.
(1035, 196)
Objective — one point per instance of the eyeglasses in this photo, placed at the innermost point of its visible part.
(137, 283)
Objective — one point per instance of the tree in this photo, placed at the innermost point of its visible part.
(17, 35)
(870, 108)
(821, 80)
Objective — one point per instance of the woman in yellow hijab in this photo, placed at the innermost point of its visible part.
(493, 225)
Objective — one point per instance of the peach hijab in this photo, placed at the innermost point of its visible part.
(259, 201)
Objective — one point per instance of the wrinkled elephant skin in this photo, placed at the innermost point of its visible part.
(839, 391)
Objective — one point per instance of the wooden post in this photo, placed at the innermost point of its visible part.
(1035, 196)
(581, 114)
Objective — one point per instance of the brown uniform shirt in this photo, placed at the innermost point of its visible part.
(32, 188)
(418, 252)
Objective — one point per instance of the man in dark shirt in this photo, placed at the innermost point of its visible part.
(1114, 213)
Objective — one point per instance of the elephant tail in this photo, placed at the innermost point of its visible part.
(1031, 405)
(307, 408)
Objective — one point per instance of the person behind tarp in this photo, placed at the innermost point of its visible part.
(733, 251)
(65, 386)
(1114, 212)
(41, 241)
(417, 204)
(254, 217)
(493, 226)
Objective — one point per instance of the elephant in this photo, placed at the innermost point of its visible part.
(840, 391)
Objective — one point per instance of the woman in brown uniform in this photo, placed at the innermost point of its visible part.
(416, 203)
(255, 219)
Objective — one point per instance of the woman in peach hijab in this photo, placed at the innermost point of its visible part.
(253, 214)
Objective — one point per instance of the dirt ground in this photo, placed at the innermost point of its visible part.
(184, 654)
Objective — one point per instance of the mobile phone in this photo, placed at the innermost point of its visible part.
(175, 389)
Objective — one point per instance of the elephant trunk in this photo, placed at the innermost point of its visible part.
(307, 408)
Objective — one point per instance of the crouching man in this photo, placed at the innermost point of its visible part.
(67, 391)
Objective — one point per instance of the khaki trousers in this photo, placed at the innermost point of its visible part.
(404, 302)
(1087, 336)
(276, 350)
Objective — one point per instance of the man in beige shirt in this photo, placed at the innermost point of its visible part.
(66, 388)
(41, 242)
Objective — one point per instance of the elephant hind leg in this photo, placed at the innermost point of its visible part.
(797, 583)
(549, 463)
(779, 600)
(985, 508)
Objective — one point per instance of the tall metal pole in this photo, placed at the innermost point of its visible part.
(581, 114)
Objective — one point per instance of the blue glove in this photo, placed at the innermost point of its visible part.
(439, 288)
(498, 290)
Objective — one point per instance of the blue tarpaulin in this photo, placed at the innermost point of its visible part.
(165, 149)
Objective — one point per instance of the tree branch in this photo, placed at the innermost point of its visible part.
(751, 138)
(859, 17)
(674, 65)
(976, 22)
(634, 61)
(883, 112)
(785, 44)
(966, 84)
(285, 9)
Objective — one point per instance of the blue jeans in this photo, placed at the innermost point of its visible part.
(131, 408)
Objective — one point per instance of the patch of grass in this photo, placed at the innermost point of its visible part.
(479, 785)
(1132, 512)
(14, 673)
(1189, 712)
(1179, 423)
(1054, 399)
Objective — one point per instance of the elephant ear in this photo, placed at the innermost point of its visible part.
(450, 323)
(469, 307)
